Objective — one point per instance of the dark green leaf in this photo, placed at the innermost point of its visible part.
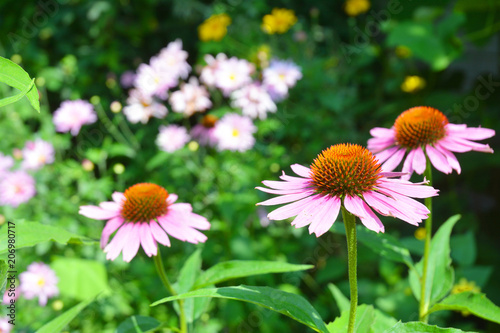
(419, 327)
(143, 323)
(13, 75)
(59, 323)
(240, 268)
(342, 301)
(291, 305)
(185, 281)
(463, 248)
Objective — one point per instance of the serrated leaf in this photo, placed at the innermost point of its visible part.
(16, 77)
(419, 327)
(440, 274)
(80, 278)
(32, 233)
(342, 301)
(234, 269)
(143, 323)
(291, 305)
(476, 303)
(57, 324)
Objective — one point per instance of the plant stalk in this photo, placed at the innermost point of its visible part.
(352, 257)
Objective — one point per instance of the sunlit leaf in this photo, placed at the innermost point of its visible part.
(16, 77)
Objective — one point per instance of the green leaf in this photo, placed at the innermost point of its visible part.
(136, 324)
(342, 301)
(475, 303)
(419, 327)
(3, 276)
(368, 320)
(463, 248)
(80, 278)
(15, 98)
(291, 305)
(440, 274)
(388, 246)
(240, 268)
(16, 77)
(57, 324)
(32, 233)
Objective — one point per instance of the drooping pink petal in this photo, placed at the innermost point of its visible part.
(460, 145)
(419, 161)
(451, 145)
(111, 226)
(306, 216)
(326, 217)
(384, 155)
(413, 204)
(159, 234)
(393, 161)
(407, 188)
(172, 197)
(392, 174)
(97, 213)
(278, 185)
(111, 206)
(408, 165)
(469, 133)
(282, 199)
(450, 157)
(147, 240)
(293, 179)
(301, 170)
(387, 206)
(438, 160)
(381, 132)
(268, 190)
(133, 242)
(376, 145)
(118, 197)
(116, 245)
(370, 220)
(354, 205)
(292, 209)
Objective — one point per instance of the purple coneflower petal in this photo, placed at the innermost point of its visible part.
(452, 160)
(325, 217)
(172, 197)
(292, 209)
(378, 144)
(159, 234)
(306, 216)
(278, 185)
(407, 188)
(384, 155)
(147, 240)
(116, 245)
(381, 132)
(268, 190)
(133, 242)
(286, 198)
(438, 160)
(118, 197)
(111, 226)
(393, 161)
(419, 161)
(471, 133)
(110, 205)
(97, 213)
(301, 170)
(358, 207)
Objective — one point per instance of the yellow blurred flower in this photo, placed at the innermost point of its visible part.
(214, 28)
(279, 21)
(420, 233)
(413, 84)
(465, 285)
(356, 7)
(402, 52)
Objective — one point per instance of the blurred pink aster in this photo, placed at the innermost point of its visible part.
(72, 115)
(40, 281)
(140, 108)
(6, 162)
(172, 138)
(190, 98)
(424, 131)
(16, 188)
(173, 59)
(235, 132)
(204, 133)
(253, 100)
(279, 77)
(36, 154)
(350, 176)
(209, 72)
(5, 326)
(142, 216)
(233, 74)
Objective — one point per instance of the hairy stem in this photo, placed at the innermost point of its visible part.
(350, 230)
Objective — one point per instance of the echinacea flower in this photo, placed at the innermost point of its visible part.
(424, 131)
(172, 138)
(346, 175)
(16, 188)
(142, 216)
(214, 28)
(279, 21)
(254, 101)
(40, 281)
(204, 132)
(234, 132)
(72, 115)
(190, 98)
(5, 326)
(36, 154)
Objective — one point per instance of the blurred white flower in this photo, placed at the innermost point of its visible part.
(254, 101)
(40, 281)
(232, 74)
(72, 115)
(208, 73)
(172, 138)
(190, 98)
(279, 77)
(235, 132)
(36, 154)
(141, 107)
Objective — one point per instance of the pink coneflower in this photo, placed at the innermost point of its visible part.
(16, 188)
(233, 74)
(235, 132)
(345, 175)
(36, 154)
(254, 101)
(204, 133)
(40, 281)
(190, 98)
(5, 326)
(172, 138)
(422, 131)
(72, 115)
(140, 108)
(279, 77)
(145, 214)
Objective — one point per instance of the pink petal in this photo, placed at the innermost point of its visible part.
(470, 133)
(97, 213)
(383, 155)
(301, 170)
(450, 157)
(292, 209)
(354, 205)
(116, 245)
(381, 132)
(376, 145)
(267, 190)
(407, 188)
(118, 197)
(111, 206)
(392, 174)
(159, 234)
(419, 161)
(393, 161)
(109, 228)
(132, 244)
(294, 179)
(147, 241)
(278, 185)
(438, 160)
(451, 145)
(286, 198)
(371, 221)
(387, 206)
(407, 165)
(172, 197)
(325, 217)
(306, 216)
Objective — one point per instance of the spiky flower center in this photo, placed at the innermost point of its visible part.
(144, 202)
(209, 121)
(419, 126)
(345, 169)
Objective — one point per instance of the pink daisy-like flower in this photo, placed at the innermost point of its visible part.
(209, 73)
(190, 98)
(279, 77)
(422, 131)
(153, 81)
(5, 326)
(235, 132)
(172, 138)
(16, 188)
(254, 101)
(349, 176)
(141, 108)
(36, 154)
(72, 115)
(204, 133)
(40, 281)
(173, 59)
(233, 74)
(144, 215)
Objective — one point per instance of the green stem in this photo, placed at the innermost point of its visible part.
(163, 277)
(350, 231)
(424, 299)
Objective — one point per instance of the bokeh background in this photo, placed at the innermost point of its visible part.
(362, 66)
